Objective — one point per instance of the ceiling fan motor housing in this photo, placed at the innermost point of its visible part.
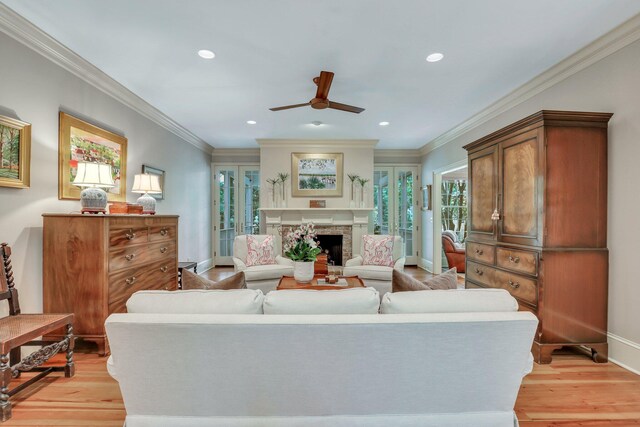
(319, 104)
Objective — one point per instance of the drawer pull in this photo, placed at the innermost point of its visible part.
(130, 235)
(131, 280)
(164, 232)
(479, 251)
(163, 250)
(514, 260)
(479, 272)
(164, 269)
(515, 285)
(130, 257)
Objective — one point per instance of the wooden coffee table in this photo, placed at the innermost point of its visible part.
(288, 282)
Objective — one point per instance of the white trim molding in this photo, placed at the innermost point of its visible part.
(425, 264)
(23, 31)
(624, 353)
(205, 265)
(614, 40)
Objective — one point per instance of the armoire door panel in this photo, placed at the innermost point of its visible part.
(520, 171)
(483, 176)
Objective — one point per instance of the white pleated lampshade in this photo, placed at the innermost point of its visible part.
(93, 175)
(146, 183)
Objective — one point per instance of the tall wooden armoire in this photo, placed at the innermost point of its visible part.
(538, 224)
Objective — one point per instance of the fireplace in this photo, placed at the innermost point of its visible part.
(339, 240)
(331, 244)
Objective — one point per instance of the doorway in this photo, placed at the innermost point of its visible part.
(236, 207)
(449, 209)
(395, 201)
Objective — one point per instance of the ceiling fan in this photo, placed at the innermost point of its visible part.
(321, 101)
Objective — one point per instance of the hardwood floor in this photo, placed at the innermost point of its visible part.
(571, 391)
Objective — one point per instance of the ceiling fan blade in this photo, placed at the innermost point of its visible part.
(324, 84)
(345, 107)
(286, 107)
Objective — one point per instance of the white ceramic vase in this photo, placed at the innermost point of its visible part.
(303, 271)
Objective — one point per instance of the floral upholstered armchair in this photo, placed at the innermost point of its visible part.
(379, 256)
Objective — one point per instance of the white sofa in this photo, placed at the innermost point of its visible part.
(262, 277)
(424, 369)
(377, 276)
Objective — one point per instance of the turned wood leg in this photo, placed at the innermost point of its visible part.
(15, 355)
(600, 352)
(5, 377)
(70, 367)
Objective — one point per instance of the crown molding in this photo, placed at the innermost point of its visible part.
(235, 152)
(621, 36)
(317, 143)
(380, 154)
(23, 31)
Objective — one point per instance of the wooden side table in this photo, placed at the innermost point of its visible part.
(186, 265)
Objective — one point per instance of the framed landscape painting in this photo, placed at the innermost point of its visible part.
(316, 174)
(15, 153)
(83, 142)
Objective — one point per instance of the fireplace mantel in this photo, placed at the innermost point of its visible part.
(356, 219)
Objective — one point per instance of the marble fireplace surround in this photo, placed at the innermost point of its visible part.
(351, 223)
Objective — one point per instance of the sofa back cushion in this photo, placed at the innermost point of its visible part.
(449, 301)
(191, 280)
(197, 301)
(304, 301)
(402, 282)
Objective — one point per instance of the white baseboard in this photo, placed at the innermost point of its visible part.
(624, 353)
(425, 264)
(205, 265)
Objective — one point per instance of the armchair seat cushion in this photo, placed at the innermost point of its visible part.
(375, 272)
(270, 271)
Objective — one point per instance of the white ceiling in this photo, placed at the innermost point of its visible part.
(267, 52)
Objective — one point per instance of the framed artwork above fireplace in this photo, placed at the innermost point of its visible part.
(316, 174)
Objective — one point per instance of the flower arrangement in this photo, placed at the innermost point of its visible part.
(301, 244)
(273, 182)
(362, 182)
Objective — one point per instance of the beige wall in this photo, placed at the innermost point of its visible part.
(610, 85)
(33, 89)
(275, 156)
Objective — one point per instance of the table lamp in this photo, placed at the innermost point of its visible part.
(93, 177)
(146, 184)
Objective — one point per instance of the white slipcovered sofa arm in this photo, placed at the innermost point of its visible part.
(238, 265)
(399, 264)
(354, 261)
(284, 261)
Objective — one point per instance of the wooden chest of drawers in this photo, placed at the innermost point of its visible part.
(93, 263)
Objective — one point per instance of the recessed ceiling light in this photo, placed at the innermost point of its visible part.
(206, 54)
(435, 57)
(317, 123)
(384, 123)
(251, 122)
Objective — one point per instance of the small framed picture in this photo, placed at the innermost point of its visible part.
(317, 203)
(155, 171)
(426, 198)
(15, 153)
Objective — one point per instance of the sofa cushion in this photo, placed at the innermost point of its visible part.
(260, 250)
(401, 282)
(262, 272)
(306, 301)
(375, 272)
(449, 301)
(191, 280)
(377, 250)
(197, 301)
